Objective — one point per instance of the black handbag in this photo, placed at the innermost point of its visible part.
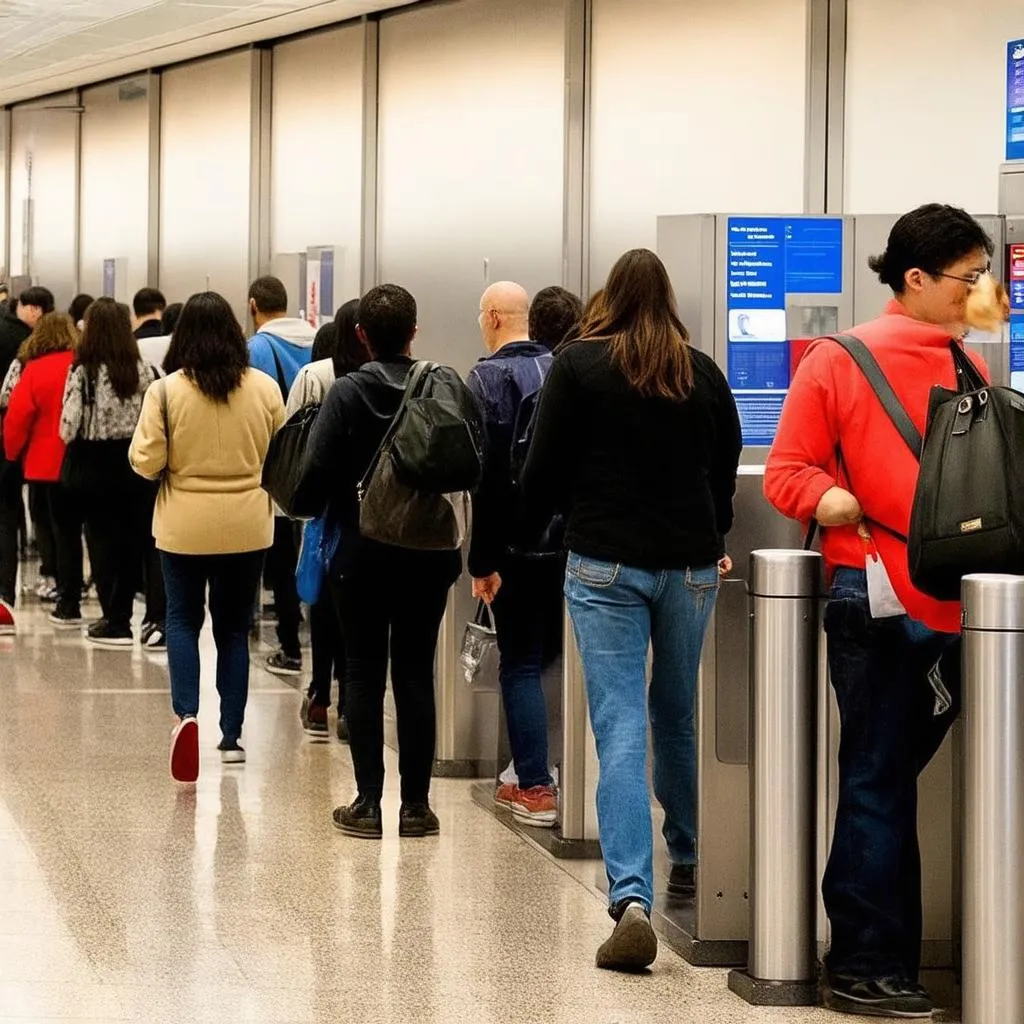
(968, 513)
(283, 468)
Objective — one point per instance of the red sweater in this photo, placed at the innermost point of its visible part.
(32, 423)
(830, 406)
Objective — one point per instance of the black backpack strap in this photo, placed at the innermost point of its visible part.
(412, 386)
(282, 381)
(868, 365)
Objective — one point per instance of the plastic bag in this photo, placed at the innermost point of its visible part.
(882, 599)
(478, 641)
(319, 543)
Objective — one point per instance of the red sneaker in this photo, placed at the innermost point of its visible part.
(537, 806)
(7, 626)
(506, 795)
(185, 751)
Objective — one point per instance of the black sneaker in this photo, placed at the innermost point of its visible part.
(682, 883)
(66, 618)
(154, 636)
(314, 718)
(891, 996)
(281, 665)
(342, 728)
(361, 819)
(103, 634)
(633, 946)
(231, 752)
(416, 821)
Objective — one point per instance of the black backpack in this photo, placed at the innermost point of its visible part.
(415, 491)
(968, 514)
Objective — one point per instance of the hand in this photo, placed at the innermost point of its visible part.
(724, 565)
(838, 507)
(486, 589)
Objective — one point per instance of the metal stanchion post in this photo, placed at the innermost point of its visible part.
(785, 587)
(993, 823)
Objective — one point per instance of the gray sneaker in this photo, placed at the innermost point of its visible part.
(633, 946)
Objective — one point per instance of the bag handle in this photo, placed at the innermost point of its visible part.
(968, 377)
(279, 370)
(883, 390)
(167, 423)
(412, 385)
(483, 615)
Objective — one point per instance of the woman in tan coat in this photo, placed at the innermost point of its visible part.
(205, 430)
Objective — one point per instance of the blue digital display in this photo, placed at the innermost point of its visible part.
(1015, 100)
(769, 259)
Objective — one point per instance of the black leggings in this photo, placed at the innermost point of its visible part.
(328, 650)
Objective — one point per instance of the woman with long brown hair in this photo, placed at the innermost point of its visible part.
(102, 403)
(637, 442)
(35, 386)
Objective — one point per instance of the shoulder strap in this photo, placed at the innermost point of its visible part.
(167, 421)
(412, 386)
(868, 365)
(282, 382)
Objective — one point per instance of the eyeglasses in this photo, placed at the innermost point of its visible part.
(971, 279)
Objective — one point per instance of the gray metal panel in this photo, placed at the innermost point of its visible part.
(371, 58)
(576, 229)
(1011, 188)
(686, 245)
(260, 111)
(153, 216)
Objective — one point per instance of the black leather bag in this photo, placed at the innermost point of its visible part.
(283, 468)
(968, 513)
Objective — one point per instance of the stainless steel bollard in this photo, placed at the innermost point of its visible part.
(785, 588)
(993, 824)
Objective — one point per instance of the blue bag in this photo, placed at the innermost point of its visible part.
(320, 541)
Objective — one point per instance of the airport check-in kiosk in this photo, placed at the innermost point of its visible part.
(753, 291)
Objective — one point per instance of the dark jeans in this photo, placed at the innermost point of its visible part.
(889, 732)
(396, 610)
(281, 561)
(328, 650)
(528, 619)
(117, 529)
(39, 511)
(232, 580)
(68, 520)
(11, 509)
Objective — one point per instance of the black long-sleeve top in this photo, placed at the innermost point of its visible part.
(349, 428)
(646, 482)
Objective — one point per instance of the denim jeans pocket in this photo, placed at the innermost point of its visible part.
(592, 572)
(703, 580)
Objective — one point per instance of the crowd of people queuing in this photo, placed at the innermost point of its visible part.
(608, 452)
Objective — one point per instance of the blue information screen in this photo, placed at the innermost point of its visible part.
(1015, 100)
(769, 259)
(1016, 275)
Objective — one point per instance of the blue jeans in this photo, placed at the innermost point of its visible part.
(528, 621)
(232, 580)
(889, 732)
(617, 613)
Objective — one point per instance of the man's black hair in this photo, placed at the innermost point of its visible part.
(387, 315)
(148, 301)
(79, 304)
(270, 295)
(930, 238)
(553, 313)
(37, 296)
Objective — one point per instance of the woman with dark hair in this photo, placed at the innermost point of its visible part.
(33, 394)
(638, 441)
(337, 350)
(102, 403)
(78, 307)
(204, 431)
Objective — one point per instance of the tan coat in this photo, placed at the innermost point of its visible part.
(210, 501)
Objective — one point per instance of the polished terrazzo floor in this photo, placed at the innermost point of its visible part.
(123, 897)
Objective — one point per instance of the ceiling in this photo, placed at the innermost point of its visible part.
(50, 45)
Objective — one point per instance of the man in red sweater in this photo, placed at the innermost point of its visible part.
(837, 458)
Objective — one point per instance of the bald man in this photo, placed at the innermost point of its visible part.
(523, 590)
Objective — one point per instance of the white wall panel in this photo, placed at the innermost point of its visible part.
(926, 102)
(205, 145)
(115, 185)
(317, 149)
(44, 168)
(470, 158)
(697, 107)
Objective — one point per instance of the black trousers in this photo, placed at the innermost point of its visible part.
(67, 521)
(279, 570)
(393, 614)
(39, 511)
(328, 645)
(118, 527)
(11, 510)
(153, 571)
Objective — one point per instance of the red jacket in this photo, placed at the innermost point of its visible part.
(831, 406)
(32, 423)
